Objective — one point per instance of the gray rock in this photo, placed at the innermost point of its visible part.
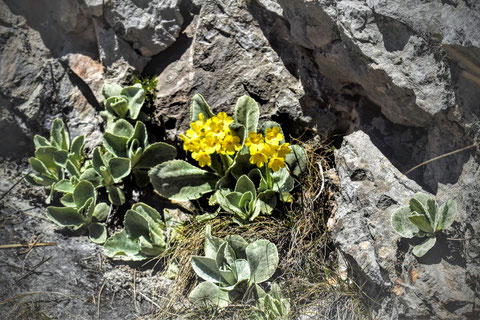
(442, 284)
(151, 26)
(421, 71)
(224, 54)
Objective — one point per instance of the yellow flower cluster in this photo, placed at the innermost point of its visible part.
(212, 136)
(268, 149)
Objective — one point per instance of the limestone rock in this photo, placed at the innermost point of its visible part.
(151, 26)
(442, 283)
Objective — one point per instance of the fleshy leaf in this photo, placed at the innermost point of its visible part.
(111, 89)
(246, 113)
(156, 153)
(209, 294)
(199, 105)
(421, 222)
(119, 168)
(83, 191)
(446, 213)
(179, 180)
(121, 245)
(297, 160)
(101, 212)
(115, 195)
(420, 249)
(65, 216)
(97, 233)
(262, 256)
(206, 268)
(136, 97)
(244, 184)
(402, 224)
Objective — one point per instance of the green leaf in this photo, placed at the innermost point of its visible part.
(64, 186)
(297, 160)
(206, 268)
(208, 294)
(417, 206)
(150, 249)
(241, 165)
(111, 89)
(446, 213)
(432, 213)
(83, 191)
(238, 244)
(140, 134)
(421, 222)
(78, 145)
(199, 105)
(119, 168)
(92, 176)
(97, 233)
(97, 160)
(282, 181)
(135, 225)
(246, 113)
(225, 256)
(156, 153)
(117, 106)
(230, 202)
(65, 216)
(262, 256)
(38, 166)
(60, 157)
(117, 145)
(32, 179)
(267, 201)
(115, 195)
(212, 244)
(241, 268)
(136, 97)
(45, 155)
(401, 223)
(101, 212)
(422, 198)
(420, 249)
(72, 169)
(123, 128)
(179, 180)
(244, 184)
(67, 200)
(40, 141)
(121, 245)
(59, 136)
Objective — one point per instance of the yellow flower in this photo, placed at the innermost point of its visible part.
(276, 163)
(210, 143)
(273, 136)
(230, 144)
(253, 138)
(203, 158)
(283, 150)
(259, 154)
(258, 159)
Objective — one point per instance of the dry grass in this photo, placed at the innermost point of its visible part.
(307, 271)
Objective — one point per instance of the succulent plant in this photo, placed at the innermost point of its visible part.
(111, 171)
(244, 202)
(423, 218)
(128, 142)
(272, 306)
(81, 210)
(178, 180)
(57, 162)
(232, 269)
(146, 234)
(122, 102)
